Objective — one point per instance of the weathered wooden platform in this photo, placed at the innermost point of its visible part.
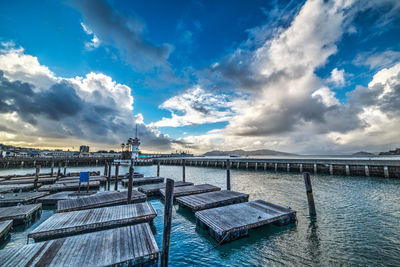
(16, 187)
(12, 199)
(231, 222)
(47, 180)
(82, 221)
(5, 227)
(69, 186)
(212, 200)
(21, 214)
(124, 246)
(54, 198)
(92, 173)
(70, 179)
(191, 190)
(154, 189)
(99, 200)
(143, 180)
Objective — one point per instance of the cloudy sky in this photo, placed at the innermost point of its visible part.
(309, 77)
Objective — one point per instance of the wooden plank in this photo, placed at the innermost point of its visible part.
(5, 227)
(54, 198)
(15, 187)
(82, 221)
(68, 186)
(20, 214)
(124, 246)
(70, 179)
(154, 189)
(144, 180)
(99, 200)
(231, 222)
(212, 199)
(49, 180)
(191, 190)
(12, 199)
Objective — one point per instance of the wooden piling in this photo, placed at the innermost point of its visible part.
(158, 168)
(310, 196)
(386, 171)
(36, 177)
(65, 168)
(59, 169)
(228, 175)
(109, 176)
(116, 177)
(131, 171)
(52, 168)
(183, 170)
(167, 221)
(105, 169)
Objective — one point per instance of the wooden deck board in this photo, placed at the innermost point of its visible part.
(191, 190)
(212, 199)
(49, 180)
(231, 222)
(68, 186)
(143, 180)
(154, 189)
(15, 187)
(99, 200)
(120, 246)
(71, 179)
(20, 214)
(82, 221)
(54, 198)
(12, 199)
(5, 227)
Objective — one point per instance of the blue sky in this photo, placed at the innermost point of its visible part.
(203, 75)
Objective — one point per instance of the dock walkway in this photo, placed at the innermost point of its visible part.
(143, 180)
(124, 246)
(20, 214)
(99, 200)
(54, 198)
(191, 190)
(49, 180)
(69, 186)
(12, 199)
(154, 189)
(82, 221)
(5, 227)
(231, 222)
(212, 200)
(16, 187)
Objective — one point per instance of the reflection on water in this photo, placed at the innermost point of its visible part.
(356, 223)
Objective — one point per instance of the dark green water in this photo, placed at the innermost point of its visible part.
(357, 221)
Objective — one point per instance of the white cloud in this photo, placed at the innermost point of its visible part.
(95, 42)
(337, 77)
(375, 59)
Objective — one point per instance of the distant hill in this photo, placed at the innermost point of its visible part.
(363, 153)
(260, 152)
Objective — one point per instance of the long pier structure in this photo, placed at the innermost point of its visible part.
(375, 166)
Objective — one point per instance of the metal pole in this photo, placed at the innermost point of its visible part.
(169, 192)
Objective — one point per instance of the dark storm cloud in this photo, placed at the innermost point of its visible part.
(60, 113)
(125, 33)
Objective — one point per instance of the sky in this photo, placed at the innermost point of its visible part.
(305, 77)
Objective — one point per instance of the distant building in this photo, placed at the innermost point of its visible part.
(83, 149)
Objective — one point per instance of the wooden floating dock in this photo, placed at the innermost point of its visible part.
(82, 221)
(69, 186)
(99, 200)
(5, 227)
(21, 214)
(191, 190)
(125, 246)
(70, 179)
(143, 180)
(212, 200)
(154, 189)
(29, 181)
(12, 199)
(231, 222)
(54, 198)
(16, 187)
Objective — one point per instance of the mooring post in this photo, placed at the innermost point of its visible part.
(386, 171)
(310, 196)
(109, 176)
(52, 169)
(105, 169)
(366, 171)
(65, 168)
(315, 168)
(228, 175)
(59, 169)
(276, 167)
(169, 192)
(183, 170)
(158, 168)
(37, 177)
(116, 176)
(130, 183)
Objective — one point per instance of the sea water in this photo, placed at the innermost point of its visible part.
(357, 220)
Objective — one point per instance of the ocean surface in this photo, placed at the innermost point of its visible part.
(357, 221)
